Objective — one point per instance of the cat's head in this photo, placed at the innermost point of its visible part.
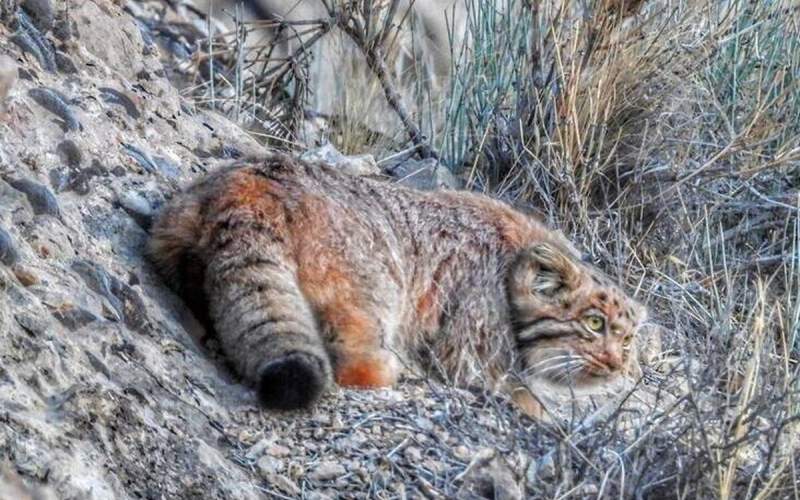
(573, 327)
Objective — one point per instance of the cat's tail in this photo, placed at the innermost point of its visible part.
(235, 234)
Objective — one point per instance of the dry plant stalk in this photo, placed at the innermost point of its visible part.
(370, 25)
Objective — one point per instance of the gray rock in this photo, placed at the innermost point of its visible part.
(427, 175)
(113, 96)
(77, 180)
(124, 299)
(268, 466)
(326, 471)
(141, 157)
(42, 200)
(59, 179)
(33, 41)
(41, 13)
(285, 484)
(32, 324)
(73, 317)
(353, 165)
(70, 153)
(257, 449)
(166, 167)
(277, 450)
(138, 207)
(413, 454)
(65, 64)
(8, 251)
(58, 104)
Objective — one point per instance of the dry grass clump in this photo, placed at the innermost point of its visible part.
(668, 144)
(670, 149)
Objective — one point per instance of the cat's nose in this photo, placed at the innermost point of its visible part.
(610, 359)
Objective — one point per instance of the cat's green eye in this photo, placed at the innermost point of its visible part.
(595, 323)
(626, 341)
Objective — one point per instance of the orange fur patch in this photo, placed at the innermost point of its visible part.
(355, 330)
(428, 305)
(330, 286)
(364, 374)
(427, 308)
(260, 198)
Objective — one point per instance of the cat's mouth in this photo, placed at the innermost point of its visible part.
(595, 368)
(594, 372)
(573, 368)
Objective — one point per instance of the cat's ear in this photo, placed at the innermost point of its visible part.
(544, 270)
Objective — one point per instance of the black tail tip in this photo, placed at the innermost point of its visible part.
(292, 382)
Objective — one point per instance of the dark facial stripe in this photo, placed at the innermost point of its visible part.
(543, 328)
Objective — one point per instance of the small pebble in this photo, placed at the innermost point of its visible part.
(285, 484)
(26, 278)
(462, 453)
(424, 423)
(326, 471)
(542, 469)
(277, 450)
(268, 465)
(257, 449)
(413, 454)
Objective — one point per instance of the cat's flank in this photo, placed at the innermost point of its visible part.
(309, 275)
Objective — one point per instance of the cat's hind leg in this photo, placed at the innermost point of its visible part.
(358, 335)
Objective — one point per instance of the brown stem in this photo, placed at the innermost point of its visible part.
(373, 53)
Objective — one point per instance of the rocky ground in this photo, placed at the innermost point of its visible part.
(105, 391)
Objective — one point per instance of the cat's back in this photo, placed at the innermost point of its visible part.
(302, 205)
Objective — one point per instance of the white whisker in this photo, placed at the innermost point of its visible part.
(573, 371)
(551, 359)
(559, 366)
